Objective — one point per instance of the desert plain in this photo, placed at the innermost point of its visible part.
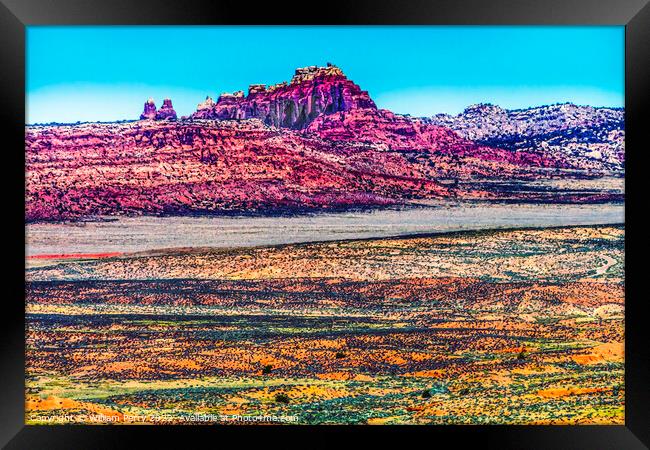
(514, 326)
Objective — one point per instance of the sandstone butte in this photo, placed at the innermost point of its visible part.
(318, 142)
(313, 91)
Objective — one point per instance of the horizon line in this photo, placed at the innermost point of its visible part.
(184, 118)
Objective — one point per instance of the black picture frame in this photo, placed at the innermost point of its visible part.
(15, 15)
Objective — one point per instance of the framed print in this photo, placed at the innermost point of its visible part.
(404, 219)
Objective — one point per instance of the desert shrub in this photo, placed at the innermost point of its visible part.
(282, 398)
(267, 369)
(426, 394)
(438, 388)
(340, 355)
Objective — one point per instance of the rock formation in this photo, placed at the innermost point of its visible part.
(207, 104)
(166, 111)
(312, 91)
(218, 167)
(359, 158)
(149, 112)
(585, 137)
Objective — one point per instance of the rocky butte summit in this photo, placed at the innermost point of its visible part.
(311, 92)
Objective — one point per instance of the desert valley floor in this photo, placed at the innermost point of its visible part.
(515, 326)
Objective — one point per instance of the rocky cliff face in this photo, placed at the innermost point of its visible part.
(585, 137)
(311, 92)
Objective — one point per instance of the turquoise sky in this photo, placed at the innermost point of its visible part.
(103, 73)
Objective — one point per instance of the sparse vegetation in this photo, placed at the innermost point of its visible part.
(422, 362)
